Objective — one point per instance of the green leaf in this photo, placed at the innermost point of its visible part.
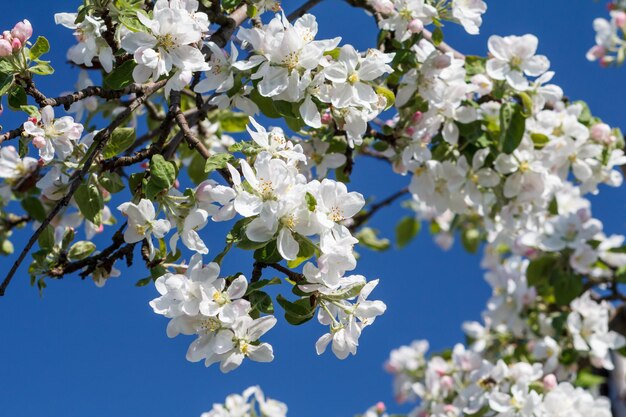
(217, 161)
(310, 201)
(40, 47)
(121, 139)
(296, 313)
(406, 230)
(367, 237)
(437, 36)
(539, 270)
(567, 287)
(262, 302)
(17, 98)
(230, 4)
(162, 172)
(6, 81)
(81, 250)
(196, 168)
(121, 76)
(474, 65)
(31, 111)
(143, 282)
(586, 379)
(268, 253)
(265, 104)
(512, 126)
(34, 208)
(90, 203)
(539, 139)
(131, 22)
(262, 283)
(46, 238)
(42, 68)
(306, 251)
(233, 122)
(111, 182)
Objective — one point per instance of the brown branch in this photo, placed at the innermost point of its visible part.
(100, 140)
(292, 275)
(302, 10)
(181, 120)
(361, 218)
(69, 99)
(11, 134)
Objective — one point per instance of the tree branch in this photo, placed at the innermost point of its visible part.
(100, 140)
(361, 218)
(302, 10)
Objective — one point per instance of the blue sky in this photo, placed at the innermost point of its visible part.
(81, 350)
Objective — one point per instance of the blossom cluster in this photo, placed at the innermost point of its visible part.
(252, 402)
(464, 383)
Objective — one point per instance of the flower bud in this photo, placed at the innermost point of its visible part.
(416, 26)
(23, 31)
(39, 142)
(380, 407)
(417, 116)
(549, 382)
(1, 109)
(16, 44)
(447, 383)
(5, 48)
(600, 132)
(410, 131)
(326, 118)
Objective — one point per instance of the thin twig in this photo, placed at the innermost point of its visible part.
(361, 218)
(100, 140)
(301, 11)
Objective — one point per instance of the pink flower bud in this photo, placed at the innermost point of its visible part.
(620, 18)
(1, 109)
(39, 142)
(326, 118)
(100, 229)
(549, 382)
(23, 31)
(610, 6)
(447, 382)
(417, 116)
(605, 62)
(33, 120)
(16, 44)
(410, 131)
(41, 162)
(380, 407)
(5, 48)
(145, 165)
(416, 26)
(600, 132)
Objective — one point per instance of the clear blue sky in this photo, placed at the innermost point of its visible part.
(83, 351)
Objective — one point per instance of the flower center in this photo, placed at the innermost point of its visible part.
(166, 41)
(353, 78)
